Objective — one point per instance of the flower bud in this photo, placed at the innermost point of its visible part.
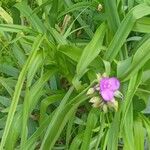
(96, 87)
(96, 101)
(110, 104)
(99, 77)
(105, 108)
(118, 94)
(104, 74)
(90, 91)
(115, 105)
(100, 7)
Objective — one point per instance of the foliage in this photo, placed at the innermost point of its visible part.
(50, 54)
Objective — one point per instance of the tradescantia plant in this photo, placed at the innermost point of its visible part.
(59, 57)
(107, 90)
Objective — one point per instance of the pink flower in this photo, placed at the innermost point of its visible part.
(108, 87)
(104, 93)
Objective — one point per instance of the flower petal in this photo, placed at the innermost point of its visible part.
(115, 84)
(103, 83)
(107, 95)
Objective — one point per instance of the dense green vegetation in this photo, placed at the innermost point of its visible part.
(50, 53)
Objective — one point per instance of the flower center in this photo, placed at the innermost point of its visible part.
(106, 85)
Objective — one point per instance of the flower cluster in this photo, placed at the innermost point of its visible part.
(105, 92)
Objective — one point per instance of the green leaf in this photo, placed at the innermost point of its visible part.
(146, 124)
(77, 6)
(34, 19)
(113, 133)
(124, 30)
(31, 98)
(6, 16)
(141, 56)
(76, 142)
(132, 87)
(91, 51)
(71, 51)
(18, 88)
(139, 135)
(54, 129)
(142, 25)
(122, 66)
(127, 132)
(46, 102)
(61, 116)
(5, 101)
(51, 16)
(14, 28)
(112, 15)
(91, 122)
(9, 70)
(6, 83)
(88, 30)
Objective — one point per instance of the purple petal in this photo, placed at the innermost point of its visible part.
(115, 84)
(107, 95)
(103, 83)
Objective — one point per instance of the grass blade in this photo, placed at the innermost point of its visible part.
(91, 51)
(124, 30)
(18, 90)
